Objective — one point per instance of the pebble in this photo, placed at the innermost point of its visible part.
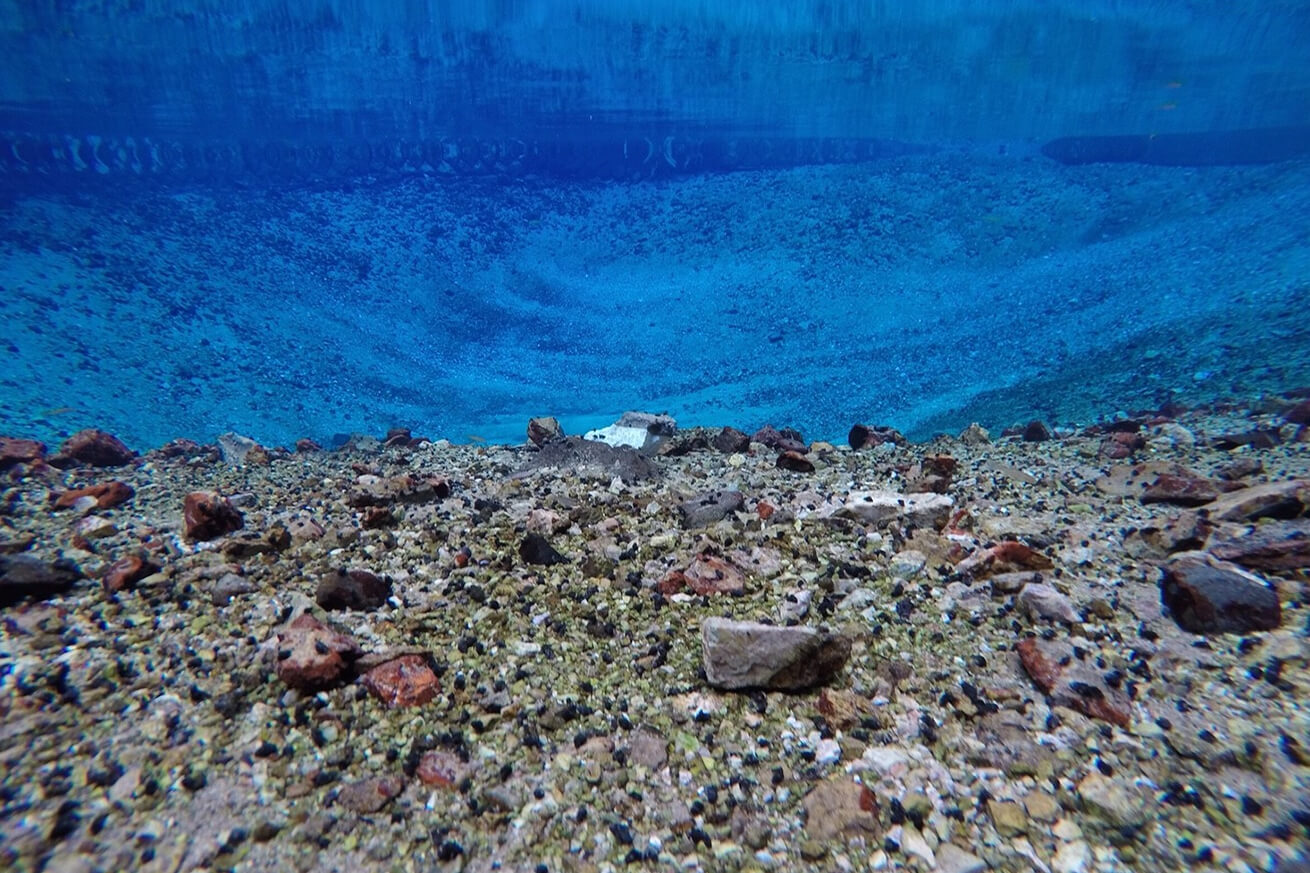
(839, 807)
(312, 656)
(952, 859)
(1074, 857)
(403, 681)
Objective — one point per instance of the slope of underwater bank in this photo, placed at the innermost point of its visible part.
(922, 292)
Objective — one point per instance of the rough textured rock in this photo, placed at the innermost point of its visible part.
(543, 430)
(864, 437)
(207, 515)
(237, 450)
(312, 656)
(126, 572)
(742, 654)
(1208, 597)
(105, 494)
(370, 795)
(641, 431)
(795, 461)
(18, 451)
(1180, 490)
(373, 490)
(23, 576)
(95, 448)
(1273, 547)
(1004, 557)
(711, 574)
(403, 681)
(712, 506)
(785, 440)
(839, 808)
(1286, 499)
(1072, 683)
(352, 589)
(536, 549)
(1036, 432)
(882, 508)
(730, 441)
(1043, 601)
(589, 459)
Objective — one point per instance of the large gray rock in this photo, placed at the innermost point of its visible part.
(712, 506)
(23, 576)
(590, 460)
(882, 508)
(746, 654)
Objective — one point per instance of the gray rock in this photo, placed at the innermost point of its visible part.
(588, 459)
(744, 654)
(234, 447)
(1042, 601)
(1209, 597)
(882, 508)
(23, 576)
(712, 506)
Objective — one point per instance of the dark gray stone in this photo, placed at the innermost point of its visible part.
(353, 589)
(1216, 598)
(23, 576)
(712, 506)
(589, 459)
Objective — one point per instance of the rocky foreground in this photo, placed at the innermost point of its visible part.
(1051, 651)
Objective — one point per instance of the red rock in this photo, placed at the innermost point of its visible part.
(107, 495)
(352, 589)
(207, 515)
(1180, 490)
(16, 451)
(463, 556)
(305, 444)
(441, 768)
(1036, 432)
(1004, 557)
(865, 437)
(1212, 597)
(673, 582)
(126, 572)
(377, 517)
(398, 436)
(312, 656)
(785, 440)
(795, 461)
(940, 465)
(731, 441)
(404, 681)
(1121, 444)
(710, 574)
(370, 795)
(95, 448)
(1076, 686)
(764, 510)
(185, 448)
(544, 430)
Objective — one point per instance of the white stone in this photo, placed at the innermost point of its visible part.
(913, 843)
(1074, 857)
(952, 859)
(827, 752)
(880, 508)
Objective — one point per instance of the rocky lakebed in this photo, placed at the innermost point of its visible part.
(1058, 650)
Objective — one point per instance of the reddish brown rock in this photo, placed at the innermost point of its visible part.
(711, 574)
(1180, 490)
(442, 769)
(731, 441)
(1071, 682)
(376, 517)
(16, 451)
(107, 495)
(207, 515)
(544, 430)
(794, 461)
(1122, 444)
(862, 436)
(785, 440)
(305, 445)
(400, 437)
(370, 795)
(1212, 597)
(94, 448)
(126, 572)
(182, 448)
(373, 490)
(404, 681)
(839, 808)
(1004, 557)
(352, 589)
(1036, 432)
(312, 656)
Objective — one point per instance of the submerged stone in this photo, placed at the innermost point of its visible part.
(23, 576)
(744, 654)
(1213, 597)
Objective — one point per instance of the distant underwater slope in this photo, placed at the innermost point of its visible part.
(921, 291)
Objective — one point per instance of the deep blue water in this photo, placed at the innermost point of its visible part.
(240, 217)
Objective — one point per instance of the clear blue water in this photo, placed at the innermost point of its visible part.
(238, 217)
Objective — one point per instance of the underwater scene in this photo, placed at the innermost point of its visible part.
(611, 434)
